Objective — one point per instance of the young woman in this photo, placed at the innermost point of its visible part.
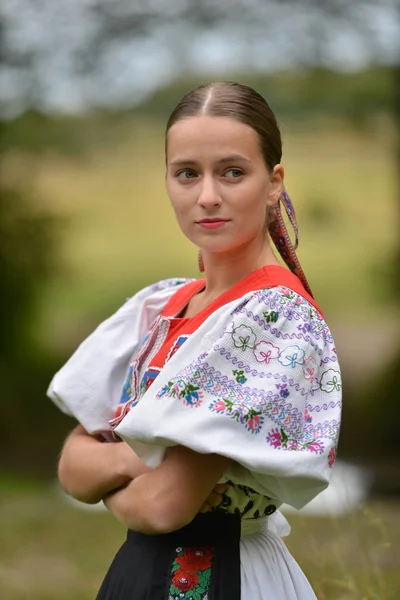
(246, 415)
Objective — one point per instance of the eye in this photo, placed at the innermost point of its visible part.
(233, 173)
(185, 174)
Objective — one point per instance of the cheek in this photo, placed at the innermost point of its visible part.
(173, 195)
(255, 204)
(180, 206)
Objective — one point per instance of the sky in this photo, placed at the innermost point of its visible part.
(48, 41)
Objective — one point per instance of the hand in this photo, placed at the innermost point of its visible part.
(215, 498)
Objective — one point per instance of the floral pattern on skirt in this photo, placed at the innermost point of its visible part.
(191, 574)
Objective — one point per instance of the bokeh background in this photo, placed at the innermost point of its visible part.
(86, 88)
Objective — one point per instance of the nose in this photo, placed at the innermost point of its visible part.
(209, 194)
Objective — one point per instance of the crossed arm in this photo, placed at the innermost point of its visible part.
(147, 500)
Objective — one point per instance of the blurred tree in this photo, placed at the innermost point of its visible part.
(27, 255)
(26, 259)
(96, 53)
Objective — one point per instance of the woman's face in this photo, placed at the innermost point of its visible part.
(218, 183)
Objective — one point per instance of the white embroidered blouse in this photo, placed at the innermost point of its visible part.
(258, 381)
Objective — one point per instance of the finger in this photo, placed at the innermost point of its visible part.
(205, 508)
(221, 488)
(214, 499)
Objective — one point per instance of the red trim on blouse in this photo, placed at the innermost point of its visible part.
(266, 277)
(178, 301)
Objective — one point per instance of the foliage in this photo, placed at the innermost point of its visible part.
(99, 53)
(302, 95)
(36, 134)
(375, 405)
(26, 259)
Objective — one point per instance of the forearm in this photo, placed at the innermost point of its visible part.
(170, 496)
(130, 507)
(89, 469)
(138, 508)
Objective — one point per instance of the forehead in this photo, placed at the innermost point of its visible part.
(211, 137)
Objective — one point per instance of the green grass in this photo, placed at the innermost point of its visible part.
(120, 232)
(51, 551)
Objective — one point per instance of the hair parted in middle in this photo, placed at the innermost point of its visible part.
(238, 102)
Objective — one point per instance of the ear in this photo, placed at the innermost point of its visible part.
(276, 185)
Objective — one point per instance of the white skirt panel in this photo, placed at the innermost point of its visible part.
(268, 570)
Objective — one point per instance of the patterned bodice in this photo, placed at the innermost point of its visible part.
(242, 500)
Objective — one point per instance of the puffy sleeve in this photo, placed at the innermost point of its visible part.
(259, 383)
(88, 387)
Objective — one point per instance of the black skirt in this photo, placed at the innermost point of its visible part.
(198, 562)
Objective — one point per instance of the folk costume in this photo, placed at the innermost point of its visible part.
(257, 381)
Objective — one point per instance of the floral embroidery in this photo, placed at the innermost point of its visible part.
(283, 390)
(309, 368)
(331, 457)
(167, 283)
(330, 381)
(243, 337)
(241, 306)
(127, 390)
(248, 416)
(265, 352)
(304, 327)
(271, 316)
(148, 378)
(191, 574)
(218, 388)
(291, 356)
(177, 344)
(280, 440)
(293, 307)
(239, 376)
(307, 416)
(286, 293)
(189, 393)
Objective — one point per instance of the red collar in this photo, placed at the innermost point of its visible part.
(266, 277)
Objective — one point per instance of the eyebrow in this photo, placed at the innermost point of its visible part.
(227, 159)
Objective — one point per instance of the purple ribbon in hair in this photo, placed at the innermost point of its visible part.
(280, 236)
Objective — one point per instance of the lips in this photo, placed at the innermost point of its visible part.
(213, 221)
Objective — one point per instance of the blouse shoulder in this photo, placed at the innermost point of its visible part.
(276, 312)
(89, 385)
(290, 311)
(168, 284)
(162, 290)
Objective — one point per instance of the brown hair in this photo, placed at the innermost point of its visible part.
(238, 102)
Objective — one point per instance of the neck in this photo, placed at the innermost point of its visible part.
(223, 270)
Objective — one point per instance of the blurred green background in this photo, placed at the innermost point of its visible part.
(85, 94)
